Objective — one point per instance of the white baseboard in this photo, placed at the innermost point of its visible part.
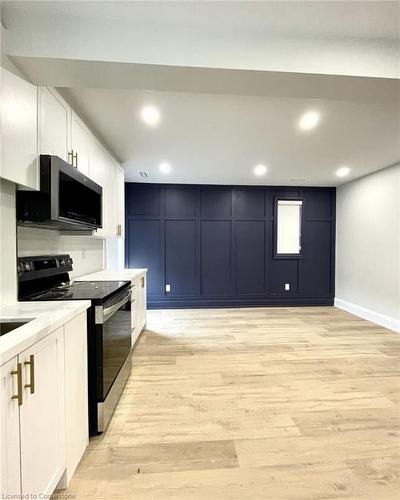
(369, 314)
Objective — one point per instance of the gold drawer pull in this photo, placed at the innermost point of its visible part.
(18, 373)
(31, 364)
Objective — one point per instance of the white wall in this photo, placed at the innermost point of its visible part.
(368, 247)
(87, 252)
(115, 253)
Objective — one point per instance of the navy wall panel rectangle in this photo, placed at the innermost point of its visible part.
(283, 272)
(315, 268)
(318, 205)
(215, 203)
(143, 200)
(214, 245)
(180, 257)
(215, 249)
(180, 203)
(144, 250)
(250, 203)
(250, 257)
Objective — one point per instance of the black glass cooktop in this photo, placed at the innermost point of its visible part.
(82, 290)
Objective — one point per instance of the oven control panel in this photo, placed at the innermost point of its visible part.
(43, 265)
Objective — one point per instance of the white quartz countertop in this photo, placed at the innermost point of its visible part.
(46, 317)
(117, 275)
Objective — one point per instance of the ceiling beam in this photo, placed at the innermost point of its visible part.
(163, 78)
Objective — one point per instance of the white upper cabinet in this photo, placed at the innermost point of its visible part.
(54, 124)
(111, 207)
(119, 200)
(19, 148)
(98, 172)
(37, 120)
(81, 144)
(105, 171)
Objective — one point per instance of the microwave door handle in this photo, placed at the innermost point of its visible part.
(102, 315)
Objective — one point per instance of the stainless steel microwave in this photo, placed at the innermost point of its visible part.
(67, 199)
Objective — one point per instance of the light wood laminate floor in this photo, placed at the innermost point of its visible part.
(265, 403)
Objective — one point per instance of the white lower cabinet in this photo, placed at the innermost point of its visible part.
(134, 314)
(10, 477)
(76, 394)
(142, 302)
(42, 416)
(43, 413)
(138, 306)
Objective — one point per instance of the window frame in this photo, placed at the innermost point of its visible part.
(287, 256)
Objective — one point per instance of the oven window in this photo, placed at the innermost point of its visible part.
(78, 202)
(116, 346)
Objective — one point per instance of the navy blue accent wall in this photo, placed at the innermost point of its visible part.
(215, 245)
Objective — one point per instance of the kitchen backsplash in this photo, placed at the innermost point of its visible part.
(87, 252)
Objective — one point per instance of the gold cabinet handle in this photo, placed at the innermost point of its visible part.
(71, 157)
(31, 364)
(76, 160)
(142, 282)
(18, 373)
(119, 229)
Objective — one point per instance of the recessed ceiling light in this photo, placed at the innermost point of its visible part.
(309, 120)
(150, 115)
(260, 169)
(165, 167)
(343, 171)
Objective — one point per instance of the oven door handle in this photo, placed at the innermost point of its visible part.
(104, 314)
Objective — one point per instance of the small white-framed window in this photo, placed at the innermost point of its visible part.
(288, 227)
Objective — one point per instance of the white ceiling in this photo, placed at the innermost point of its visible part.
(231, 80)
(358, 19)
(338, 37)
(220, 138)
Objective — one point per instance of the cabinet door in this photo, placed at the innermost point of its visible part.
(54, 124)
(141, 303)
(120, 200)
(10, 477)
(111, 197)
(99, 173)
(134, 313)
(42, 416)
(19, 152)
(144, 300)
(76, 395)
(81, 143)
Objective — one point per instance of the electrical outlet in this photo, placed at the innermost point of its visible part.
(167, 288)
(287, 286)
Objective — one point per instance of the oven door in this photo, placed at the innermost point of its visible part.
(113, 360)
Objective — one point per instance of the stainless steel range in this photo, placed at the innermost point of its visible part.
(109, 326)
